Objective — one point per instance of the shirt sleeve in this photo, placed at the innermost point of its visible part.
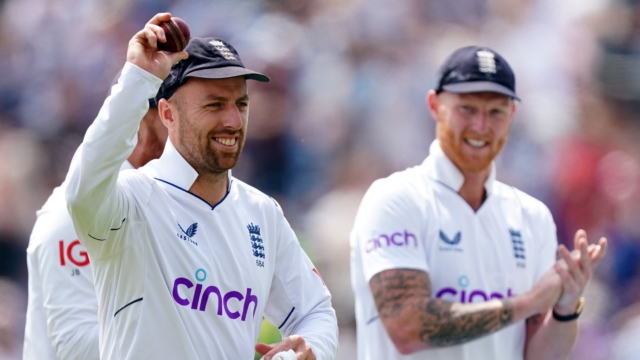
(98, 206)
(299, 303)
(548, 243)
(388, 230)
(66, 283)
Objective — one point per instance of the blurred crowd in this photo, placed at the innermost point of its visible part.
(346, 106)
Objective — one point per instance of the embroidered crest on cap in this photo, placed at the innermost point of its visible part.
(486, 61)
(223, 49)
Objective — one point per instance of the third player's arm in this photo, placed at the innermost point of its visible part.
(415, 321)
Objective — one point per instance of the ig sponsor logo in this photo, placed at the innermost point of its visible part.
(397, 239)
(78, 257)
(464, 295)
(231, 302)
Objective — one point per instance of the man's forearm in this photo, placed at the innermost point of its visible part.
(415, 321)
(552, 339)
(320, 331)
(445, 324)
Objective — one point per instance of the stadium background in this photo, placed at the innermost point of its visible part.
(346, 106)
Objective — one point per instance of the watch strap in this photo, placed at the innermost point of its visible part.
(564, 318)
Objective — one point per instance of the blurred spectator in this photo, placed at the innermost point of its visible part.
(13, 302)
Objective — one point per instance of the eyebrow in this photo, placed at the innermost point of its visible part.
(222, 98)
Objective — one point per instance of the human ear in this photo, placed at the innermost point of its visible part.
(167, 113)
(432, 104)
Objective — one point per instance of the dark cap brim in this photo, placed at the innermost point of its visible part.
(479, 86)
(228, 72)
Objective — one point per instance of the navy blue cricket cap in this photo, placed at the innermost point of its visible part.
(477, 69)
(209, 58)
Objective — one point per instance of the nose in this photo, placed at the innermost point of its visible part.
(479, 123)
(233, 118)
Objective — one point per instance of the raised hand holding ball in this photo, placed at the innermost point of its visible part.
(177, 34)
(143, 48)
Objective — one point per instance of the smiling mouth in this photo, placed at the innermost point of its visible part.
(226, 141)
(476, 143)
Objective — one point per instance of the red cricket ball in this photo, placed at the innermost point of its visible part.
(177, 33)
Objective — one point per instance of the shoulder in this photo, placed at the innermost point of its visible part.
(251, 197)
(401, 187)
(136, 183)
(135, 177)
(530, 206)
(53, 222)
(396, 199)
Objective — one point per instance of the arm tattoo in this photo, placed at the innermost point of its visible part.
(404, 295)
(392, 288)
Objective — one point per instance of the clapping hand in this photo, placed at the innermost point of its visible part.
(576, 269)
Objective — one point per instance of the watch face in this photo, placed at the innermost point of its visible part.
(580, 305)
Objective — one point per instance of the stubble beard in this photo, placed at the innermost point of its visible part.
(204, 159)
(452, 147)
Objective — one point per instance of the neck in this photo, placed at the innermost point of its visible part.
(472, 190)
(211, 187)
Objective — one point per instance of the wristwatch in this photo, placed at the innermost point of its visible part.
(572, 316)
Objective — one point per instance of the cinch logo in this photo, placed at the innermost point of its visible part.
(189, 234)
(231, 301)
(465, 296)
(395, 239)
(79, 258)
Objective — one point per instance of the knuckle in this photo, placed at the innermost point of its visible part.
(296, 339)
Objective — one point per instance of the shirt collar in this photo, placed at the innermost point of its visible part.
(173, 168)
(442, 169)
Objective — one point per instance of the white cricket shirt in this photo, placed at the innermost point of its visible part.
(176, 277)
(415, 219)
(62, 313)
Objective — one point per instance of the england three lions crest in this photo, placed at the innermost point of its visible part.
(518, 248)
(257, 245)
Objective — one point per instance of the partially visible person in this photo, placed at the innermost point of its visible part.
(448, 262)
(62, 312)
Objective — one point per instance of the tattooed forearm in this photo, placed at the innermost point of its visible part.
(446, 324)
(403, 300)
(392, 288)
